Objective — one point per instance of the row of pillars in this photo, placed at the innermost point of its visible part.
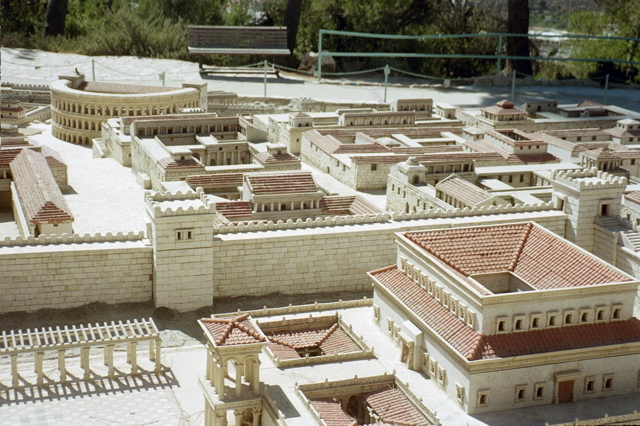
(219, 418)
(277, 206)
(132, 347)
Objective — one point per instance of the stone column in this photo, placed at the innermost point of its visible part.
(108, 357)
(238, 417)
(255, 381)
(61, 366)
(134, 358)
(238, 380)
(220, 418)
(38, 361)
(84, 357)
(257, 413)
(14, 370)
(158, 358)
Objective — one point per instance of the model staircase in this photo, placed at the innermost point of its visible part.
(633, 237)
(609, 221)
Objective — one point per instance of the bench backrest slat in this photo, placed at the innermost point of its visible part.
(249, 38)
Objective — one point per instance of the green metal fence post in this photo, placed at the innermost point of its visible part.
(499, 64)
(320, 55)
(606, 87)
(513, 86)
(265, 78)
(387, 71)
(93, 69)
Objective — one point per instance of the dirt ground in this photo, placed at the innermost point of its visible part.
(176, 328)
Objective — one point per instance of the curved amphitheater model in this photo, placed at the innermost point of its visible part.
(79, 107)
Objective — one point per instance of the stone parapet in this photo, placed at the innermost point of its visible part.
(475, 211)
(301, 224)
(72, 239)
(154, 202)
(573, 179)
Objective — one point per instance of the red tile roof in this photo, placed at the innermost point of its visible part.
(40, 197)
(539, 257)
(460, 336)
(232, 331)
(331, 339)
(633, 196)
(267, 158)
(463, 191)
(331, 412)
(558, 339)
(475, 346)
(394, 407)
(7, 156)
(347, 205)
(235, 209)
(53, 158)
(222, 180)
(170, 164)
(285, 183)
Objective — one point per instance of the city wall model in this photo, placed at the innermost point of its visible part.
(185, 254)
(69, 271)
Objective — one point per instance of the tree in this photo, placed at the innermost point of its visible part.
(291, 21)
(56, 17)
(518, 23)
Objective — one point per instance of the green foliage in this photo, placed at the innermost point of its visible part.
(595, 23)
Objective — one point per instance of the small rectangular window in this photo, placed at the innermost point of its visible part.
(600, 313)
(482, 399)
(460, 393)
(538, 391)
(589, 384)
(607, 382)
(616, 312)
(374, 167)
(521, 393)
(552, 319)
(184, 234)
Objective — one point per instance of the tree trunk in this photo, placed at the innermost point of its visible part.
(291, 21)
(56, 16)
(518, 23)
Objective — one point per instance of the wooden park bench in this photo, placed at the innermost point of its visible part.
(83, 337)
(222, 40)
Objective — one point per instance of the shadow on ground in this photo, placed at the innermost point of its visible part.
(77, 387)
(176, 328)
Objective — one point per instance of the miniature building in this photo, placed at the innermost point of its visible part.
(625, 132)
(477, 306)
(460, 193)
(39, 207)
(15, 112)
(80, 107)
(504, 111)
(233, 347)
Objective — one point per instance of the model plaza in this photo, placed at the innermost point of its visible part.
(494, 249)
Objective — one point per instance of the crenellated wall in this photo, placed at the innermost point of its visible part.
(69, 271)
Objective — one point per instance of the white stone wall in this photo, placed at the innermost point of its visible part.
(400, 193)
(502, 384)
(302, 261)
(68, 275)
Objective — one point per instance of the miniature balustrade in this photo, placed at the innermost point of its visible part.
(84, 337)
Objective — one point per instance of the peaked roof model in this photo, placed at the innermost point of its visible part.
(540, 258)
(40, 197)
(232, 331)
